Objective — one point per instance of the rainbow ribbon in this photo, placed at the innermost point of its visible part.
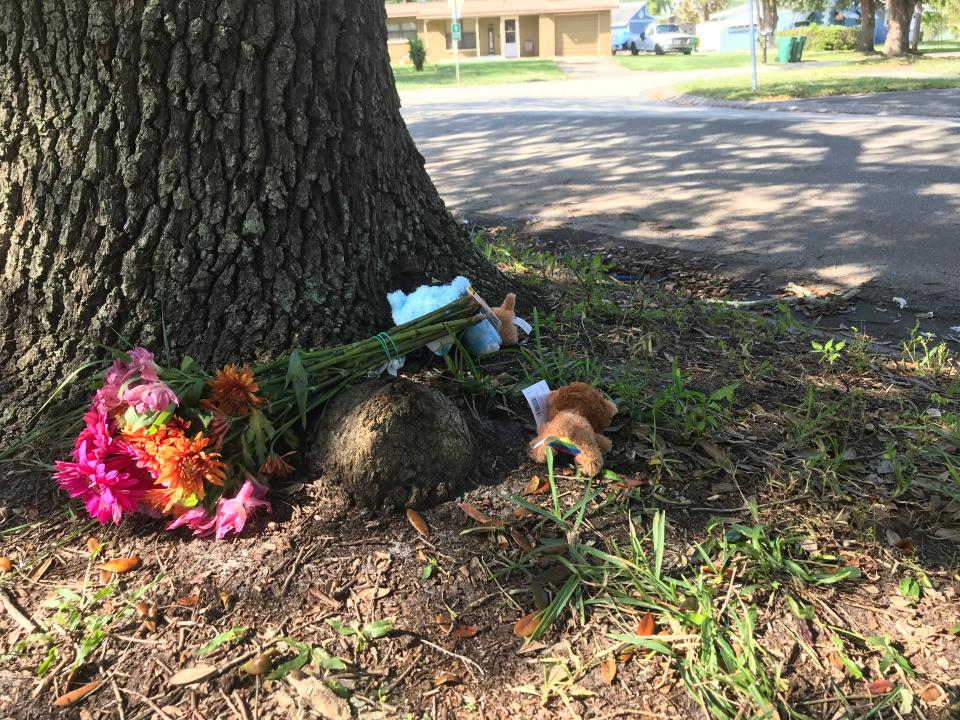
(562, 445)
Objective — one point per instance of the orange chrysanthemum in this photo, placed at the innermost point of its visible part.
(185, 466)
(276, 467)
(234, 391)
(217, 429)
(163, 500)
(147, 445)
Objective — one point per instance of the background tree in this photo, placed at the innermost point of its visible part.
(236, 171)
(899, 13)
(868, 26)
(917, 33)
(698, 11)
(766, 23)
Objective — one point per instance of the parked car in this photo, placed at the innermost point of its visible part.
(657, 38)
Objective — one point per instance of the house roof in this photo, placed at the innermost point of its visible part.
(484, 8)
(623, 14)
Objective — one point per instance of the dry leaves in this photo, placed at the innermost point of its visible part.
(188, 600)
(525, 626)
(479, 516)
(881, 686)
(121, 565)
(75, 696)
(191, 675)
(419, 524)
(645, 626)
(373, 593)
(455, 629)
(93, 545)
(446, 678)
(932, 693)
(536, 486)
(608, 670)
(520, 540)
(41, 569)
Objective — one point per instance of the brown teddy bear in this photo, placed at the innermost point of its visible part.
(508, 331)
(577, 416)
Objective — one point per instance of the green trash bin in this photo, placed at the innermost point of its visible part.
(796, 53)
(785, 49)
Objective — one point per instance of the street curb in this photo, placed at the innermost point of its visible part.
(673, 97)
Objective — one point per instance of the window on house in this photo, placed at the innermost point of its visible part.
(401, 30)
(468, 41)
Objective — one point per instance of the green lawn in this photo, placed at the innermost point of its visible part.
(942, 46)
(485, 72)
(870, 77)
(714, 61)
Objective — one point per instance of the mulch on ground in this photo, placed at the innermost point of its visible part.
(776, 536)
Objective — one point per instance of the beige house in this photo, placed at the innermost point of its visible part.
(504, 28)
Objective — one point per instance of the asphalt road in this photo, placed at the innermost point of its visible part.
(842, 200)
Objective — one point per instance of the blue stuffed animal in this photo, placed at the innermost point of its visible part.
(478, 339)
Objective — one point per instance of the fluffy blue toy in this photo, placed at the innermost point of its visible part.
(478, 339)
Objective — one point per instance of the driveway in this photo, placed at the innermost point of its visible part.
(842, 200)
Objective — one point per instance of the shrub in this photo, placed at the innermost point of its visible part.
(828, 37)
(417, 53)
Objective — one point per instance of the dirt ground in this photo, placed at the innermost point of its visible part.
(785, 549)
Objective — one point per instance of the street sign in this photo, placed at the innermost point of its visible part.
(455, 32)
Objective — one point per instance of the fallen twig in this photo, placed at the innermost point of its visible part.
(797, 299)
(465, 660)
(150, 703)
(14, 611)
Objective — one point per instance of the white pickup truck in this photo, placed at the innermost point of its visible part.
(658, 38)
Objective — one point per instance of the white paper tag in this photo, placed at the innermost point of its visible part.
(491, 316)
(391, 367)
(523, 325)
(536, 396)
(442, 345)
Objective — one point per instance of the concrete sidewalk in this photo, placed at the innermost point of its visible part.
(908, 104)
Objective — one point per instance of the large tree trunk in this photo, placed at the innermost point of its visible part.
(868, 25)
(917, 28)
(898, 27)
(236, 170)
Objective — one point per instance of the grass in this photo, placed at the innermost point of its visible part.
(940, 46)
(719, 60)
(759, 584)
(870, 77)
(486, 72)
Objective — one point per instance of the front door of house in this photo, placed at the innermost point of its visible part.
(510, 47)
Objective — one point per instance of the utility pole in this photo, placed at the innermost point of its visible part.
(753, 45)
(456, 31)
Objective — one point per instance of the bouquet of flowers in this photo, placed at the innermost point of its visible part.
(201, 450)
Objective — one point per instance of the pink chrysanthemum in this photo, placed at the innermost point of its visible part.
(103, 474)
(106, 490)
(232, 514)
(197, 519)
(136, 384)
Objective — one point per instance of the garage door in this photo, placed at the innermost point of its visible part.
(576, 35)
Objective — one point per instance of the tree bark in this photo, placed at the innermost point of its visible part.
(233, 174)
(917, 28)
(767, 21)
(898, 27)
(868, 26)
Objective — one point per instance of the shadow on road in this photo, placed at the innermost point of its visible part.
(842, 203)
